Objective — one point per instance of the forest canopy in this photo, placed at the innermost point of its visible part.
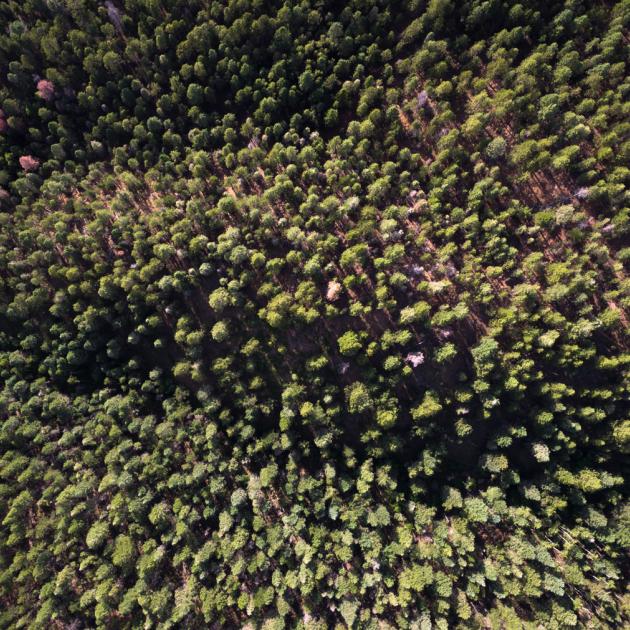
(314, 314)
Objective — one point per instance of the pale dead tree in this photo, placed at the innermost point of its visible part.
(114, 16)
(332, 293)
(415, 358)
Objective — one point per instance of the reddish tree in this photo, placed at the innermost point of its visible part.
(45, 89)
(29, 163)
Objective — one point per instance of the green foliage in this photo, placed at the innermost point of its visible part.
(496, 148)
(348, 610)
(349, 343)
(124, 552)
(416, 578)
(220, 331)
(429, 406)
(314, 314)
(358, 397)
(219, 299)
(98, 535)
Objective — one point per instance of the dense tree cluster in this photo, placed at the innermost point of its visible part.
(314, 314)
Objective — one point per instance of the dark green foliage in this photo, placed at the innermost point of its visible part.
(314, 314)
